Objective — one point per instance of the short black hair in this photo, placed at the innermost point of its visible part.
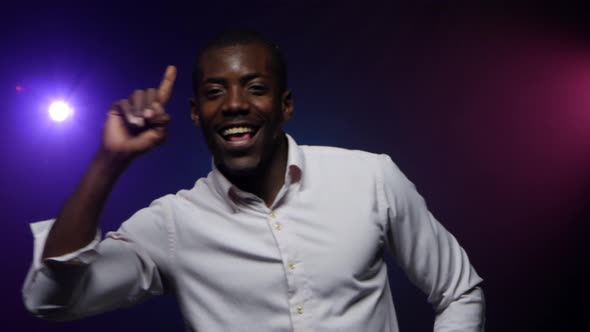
(244, 37)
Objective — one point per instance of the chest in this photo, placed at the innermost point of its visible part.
(323, 238)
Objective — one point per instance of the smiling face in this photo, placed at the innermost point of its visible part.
(240, 107)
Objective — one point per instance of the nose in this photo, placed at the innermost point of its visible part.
(235, 103)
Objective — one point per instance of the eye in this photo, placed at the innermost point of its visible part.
(213, 92)
(258, 89)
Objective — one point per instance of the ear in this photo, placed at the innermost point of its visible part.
(195, 113)
(287, 105)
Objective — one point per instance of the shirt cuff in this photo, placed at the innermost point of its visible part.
(82, 256)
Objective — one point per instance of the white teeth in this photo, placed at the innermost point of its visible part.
(236, 130)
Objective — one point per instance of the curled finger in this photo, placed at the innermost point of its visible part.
(137, 99)
(127, 111)
(150, 96)
(159, 119)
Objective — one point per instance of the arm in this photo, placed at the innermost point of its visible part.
(128, 266)
(70, 268)
(76, 224)
(431, 257)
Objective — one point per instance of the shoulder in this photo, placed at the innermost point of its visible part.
(204, 195)
(348, 159)
(187, 195)
(338, 155)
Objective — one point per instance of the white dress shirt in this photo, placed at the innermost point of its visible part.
(313, 261)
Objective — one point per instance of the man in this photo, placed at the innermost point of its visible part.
(278, 237)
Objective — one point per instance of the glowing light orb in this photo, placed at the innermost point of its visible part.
(60, 110)
(19, 88)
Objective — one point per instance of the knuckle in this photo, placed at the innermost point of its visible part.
(135, 94)
(157, 107)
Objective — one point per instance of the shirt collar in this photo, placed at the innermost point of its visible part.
(232, 195)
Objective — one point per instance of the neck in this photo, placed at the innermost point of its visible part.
(268, 179)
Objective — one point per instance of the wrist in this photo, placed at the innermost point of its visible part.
(111, 163)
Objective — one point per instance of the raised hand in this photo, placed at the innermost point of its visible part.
(138, 124)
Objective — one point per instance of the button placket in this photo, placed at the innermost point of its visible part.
(274, 222)
(297, 285)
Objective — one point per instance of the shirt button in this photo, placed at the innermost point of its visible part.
(299, 309)
(278, 226)
(273, 215)
(292, 266)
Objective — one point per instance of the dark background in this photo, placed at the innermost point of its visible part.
(485, 106)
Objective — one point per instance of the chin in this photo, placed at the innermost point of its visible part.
(240, 166)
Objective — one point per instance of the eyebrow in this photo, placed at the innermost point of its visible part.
(251, 77)
(215, 80)
(244, 79)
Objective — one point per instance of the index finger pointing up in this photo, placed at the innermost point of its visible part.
(165, 89)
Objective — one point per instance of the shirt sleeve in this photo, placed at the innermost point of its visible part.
(430, 256)
(127, 267)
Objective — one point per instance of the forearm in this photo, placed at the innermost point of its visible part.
(77, 222)
(467, 313)
(119, 273)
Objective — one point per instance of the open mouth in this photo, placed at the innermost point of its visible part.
(238, 134)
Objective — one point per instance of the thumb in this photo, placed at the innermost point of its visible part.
(147, 140)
